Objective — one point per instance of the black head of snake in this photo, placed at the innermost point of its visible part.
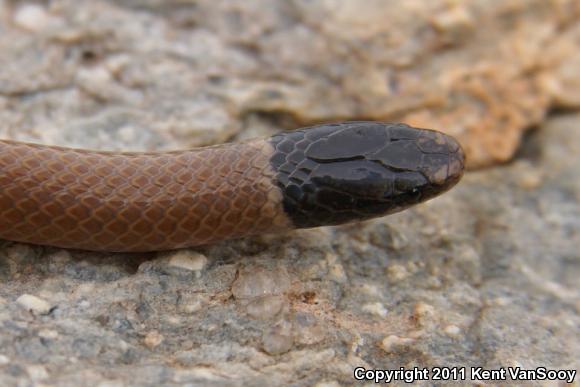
(337, 173)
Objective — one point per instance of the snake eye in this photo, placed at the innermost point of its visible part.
(415, 194)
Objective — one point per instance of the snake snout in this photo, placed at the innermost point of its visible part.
(442, 159)
(423, 164)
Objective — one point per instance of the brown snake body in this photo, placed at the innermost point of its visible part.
(328, 174)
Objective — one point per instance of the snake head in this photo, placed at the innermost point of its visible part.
(338, 173)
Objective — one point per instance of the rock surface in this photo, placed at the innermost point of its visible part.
(486, 275)
(151, 74)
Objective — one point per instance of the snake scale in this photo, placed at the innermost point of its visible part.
(322, 175)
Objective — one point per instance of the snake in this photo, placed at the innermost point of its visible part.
(322, 175)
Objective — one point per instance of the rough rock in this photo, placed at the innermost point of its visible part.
(486, 275)
(144, 74)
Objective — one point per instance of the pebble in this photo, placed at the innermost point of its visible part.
(455, 19)
(111, 383)
(48, 334)
(188, 260)
(391, 342)
(37, 372)
(34, 304)
(153, 339)
(423, 312)
(452, 330)
(332, 383)
(32, 17)
(397, 273)
(260, 282)
(191, 303)
(266, 307)
(278, 340)
(370, 290)
(276, 344)
(375, 308)
(336, 271)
